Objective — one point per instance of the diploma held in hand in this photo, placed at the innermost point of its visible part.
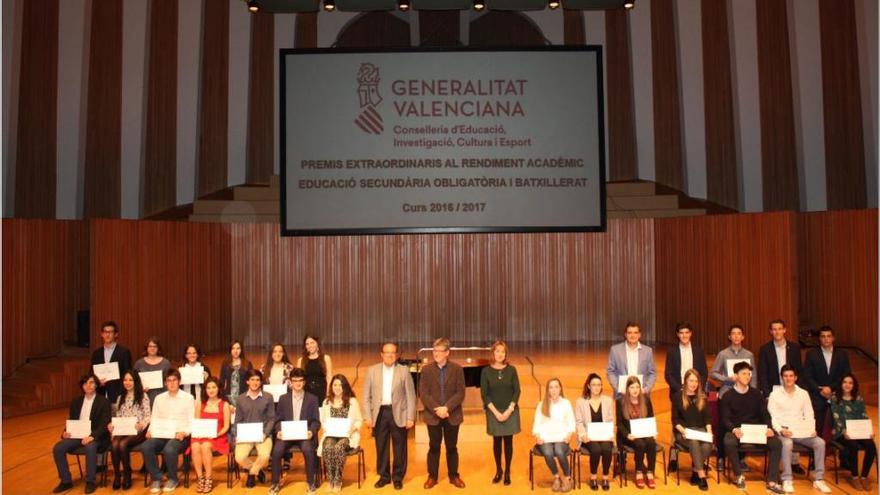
(78, 428)
(163, 428)
(275, 390)
(124, 427)
(295, 430)
(621, 382)
(337, 427)
(151, 379)
(859, 429)
(643, 427)
(700, 436)
(192, 375)
(204, 428)
(756, 434)
(106, 371)
(732, 362)
(600, 432)
(802, 429)
(249, 432)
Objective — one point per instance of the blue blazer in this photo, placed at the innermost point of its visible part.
(309, 412)
(617, 366)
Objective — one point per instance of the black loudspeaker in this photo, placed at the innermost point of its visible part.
(82, 328)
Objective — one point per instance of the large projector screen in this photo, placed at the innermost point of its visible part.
(442, 141)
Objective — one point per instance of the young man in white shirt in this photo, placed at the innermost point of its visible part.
(177, 405)
(792, 416)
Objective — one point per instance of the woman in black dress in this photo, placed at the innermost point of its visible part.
(317, 366)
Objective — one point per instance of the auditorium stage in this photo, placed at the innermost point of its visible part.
(28, 440)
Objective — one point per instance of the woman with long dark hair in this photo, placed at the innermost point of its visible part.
(191, 357)
(636, 405)
(210, 406)
(132, 403)
(594, 407)
(317, 365)
(690, 411)
(276, 370)
(846, 403)
(232, 373)
(339, 403)
(153, 360)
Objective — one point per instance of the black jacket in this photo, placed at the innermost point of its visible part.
(120, 355)
(100, 418)
(768, 366)
(309, 412)
(673, 366)
(816, 374)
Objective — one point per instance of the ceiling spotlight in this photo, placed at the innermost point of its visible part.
(253, 6)
(479, 5)
(553, 4)
(629, 4)
(329, 5)
(403, 5)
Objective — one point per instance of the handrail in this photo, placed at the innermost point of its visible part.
(532, 374)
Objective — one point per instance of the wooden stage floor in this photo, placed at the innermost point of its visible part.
(27, 465)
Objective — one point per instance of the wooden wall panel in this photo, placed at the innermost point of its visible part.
(261, 130)
(305, 33)
(838, 275)
(668, 142)
(721, 174)
(375, 29)
(169, 279)
(841, 97)
(472, 288)
(160, 141)
(718, 270)
(439, 28)
(36, 145)
(213, 137)
(45, 283)
(778, 153)
(499, 28)
(574, 28)
(621, 117)
(102, 169)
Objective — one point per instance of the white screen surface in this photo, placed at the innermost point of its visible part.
(470, 141)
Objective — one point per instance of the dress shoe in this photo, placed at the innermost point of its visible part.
(429, 483)
(382, 482)
(251, 481)
(62, 487)
(90, 487)
(457, 482)
(594, 485)
(498, 475)
(704, 485)
(398, 485)
(507, 479)
(651, 484)
(117, 482)
(262, 476)
(126, 480)
(606, 485)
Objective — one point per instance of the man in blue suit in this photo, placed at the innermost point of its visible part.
(631, 358)
(297, 405)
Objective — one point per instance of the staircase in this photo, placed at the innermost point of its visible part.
(44, 383)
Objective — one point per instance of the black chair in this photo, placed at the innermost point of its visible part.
(233, 470)
(102, 460)
(834, 448)
(747, 449)
(361, 465)
(681, 448)
(536, 452)
(584, 452)
(803, 450)
(184, 466)
(629, 450)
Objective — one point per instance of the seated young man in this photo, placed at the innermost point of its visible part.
(254, 407)
(177, 405)
(789, 405)
(744, 405)
(297, 405)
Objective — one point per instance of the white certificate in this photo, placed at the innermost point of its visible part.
(192, 375)
(621, 382)
(700, 436)
(754, 434)
(151, 379)
(732, 362)
(248, 432)
(600, 432)
(78, 428)
(859, 429)
(106, 371)
(337, 427)
(294, 430)
(276, 390)
(643, 427)
(204, 428)
(802, 428)
(163, 428)
(123, 427)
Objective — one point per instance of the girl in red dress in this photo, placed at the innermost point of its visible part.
(211, 406)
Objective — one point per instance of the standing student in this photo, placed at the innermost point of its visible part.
(631, 358)
(277, 368)
(390, 409)
(95, 408)
(153, 360)
(741, 405)
(593, 407)
(774, 355)
(824, 366)
(553, 426)
(111, 352)
(191, 356)
(297, 405)
(690, 410)
(636, 404)
(735, 351)
(173, 404)
(132, 403)
(441, 388)
(846, 404)
(499, 389)
(340, 403)
(233, 373)
(211, 406)
(317, 365)
(790, 405)
(681, 357)
(255, 407)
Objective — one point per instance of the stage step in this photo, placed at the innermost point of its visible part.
(630, 188)
(236, 218)
(664, 202)
(220, 207)
(44, 383)
(656, 213)
(255, 193)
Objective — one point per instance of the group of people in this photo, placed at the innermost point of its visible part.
(777, 391)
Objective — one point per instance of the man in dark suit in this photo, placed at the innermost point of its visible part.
(441, 388)
(679, 359)
(823, 368)
(111, 352)
(297, 405)
(773, 355)
(95, 408)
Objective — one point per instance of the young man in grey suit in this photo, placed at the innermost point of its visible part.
(389, 404)
(631, 358)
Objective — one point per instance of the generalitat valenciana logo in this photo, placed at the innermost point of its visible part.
(369, 120)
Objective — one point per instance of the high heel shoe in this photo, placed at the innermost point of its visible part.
(507, 478)
(498, 475)
(117, 481)
(126, 479)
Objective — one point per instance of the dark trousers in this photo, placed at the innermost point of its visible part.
(600, 451)
(643, 448)
(170, 449)
(68, 445)
(446, 433)
(820, 410)
(387, 432)
(731, 451)
(309, 455)
(851, 455)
